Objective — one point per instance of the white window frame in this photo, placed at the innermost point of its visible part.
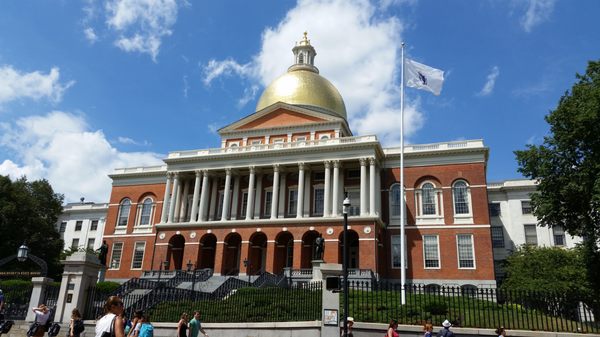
(324, 136)
(315, 188)
(438, 217)
(62, 227)
(267, 210)
(220, 204)
(88, 243)
(354, 206)
(501, 230)
(554, 235)
(391, 205)
(289, 200)
(80, 222)
(530, 208)
(278, 142)
(92, 223)
(117, 226)
(466, 218)
(112, 254)
(458, 259)
(439, 257)
(394, 238)
(138, 221)
(537, 239)
(243, 208)
(73, 245)
(133, 255)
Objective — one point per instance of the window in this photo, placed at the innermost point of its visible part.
(94, 225)
(395, 201)
(396, 251)
(559, 235)
(460, 192)
(526, 207)
(466, 254)
(292, 202)
(244, 203)
(494, 208)
(431, 252)
(236, 144)
(324, 137)
(531, 234)
(268, 203)
(138, 255)
(78, 225)
(146, 212)
(90, 244)
(354, 196)
(63, 227)
(300, 58)
(353, 174)
(301, 138)
(220, 199)
(256, 142)
(124, 208)
(497, 237)
(115, 260)
(319, 200)
(319, 176)
(75, 244)
(428, 199)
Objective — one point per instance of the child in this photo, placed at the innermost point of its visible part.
(428, 328)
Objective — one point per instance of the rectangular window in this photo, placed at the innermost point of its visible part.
(466, 255)
(494, 208)
(526, 207)
(497, 237)
(531, 235)
(63, 227)
(559, 235)
(138, 255)
(94, 225)
(431, 251)
(268, 203)
(75, 244)
(292, 202)
(396, 251)
(257, 142)
(220, 205)
(319, 201)
(78, 225)
(353, 174)
(244, 204)
(115, 257)
(354, 196)
(90, 244)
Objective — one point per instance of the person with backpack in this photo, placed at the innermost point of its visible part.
(108, 325)
(146, 330)
(76, 326)
(445, 331)
(42, 317)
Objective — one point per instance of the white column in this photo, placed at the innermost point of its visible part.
(300, 204)
(184, 201)
(275, 193)
(194, 214)
(250, 205)
(282, 192)
(234, 199)
(336, 189)
(327, 190)
(372, 176)
(226, 195)
(363, 186)
(178, 201)
(204, 197)
(214, 196)
(258, 198)
(174, 196)
(165, 211)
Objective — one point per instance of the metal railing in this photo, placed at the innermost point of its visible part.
(16, 301)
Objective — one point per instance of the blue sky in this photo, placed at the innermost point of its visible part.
(88, 86)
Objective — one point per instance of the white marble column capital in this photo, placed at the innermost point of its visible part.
(362, 161)
(337, 164)
(228, 171)
(277, 168)
(252, 169)
(205, 173)
(327, 164)
(198, 173)
(302, 166)
(372, 161)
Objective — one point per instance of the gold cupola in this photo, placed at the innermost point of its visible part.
(302, 84)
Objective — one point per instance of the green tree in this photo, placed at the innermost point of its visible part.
(567, 168)
(28, 213)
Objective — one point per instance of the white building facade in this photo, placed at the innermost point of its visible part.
(81, 225)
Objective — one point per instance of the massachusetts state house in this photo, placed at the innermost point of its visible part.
(257, 203)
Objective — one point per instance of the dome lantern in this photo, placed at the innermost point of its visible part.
(304, 56)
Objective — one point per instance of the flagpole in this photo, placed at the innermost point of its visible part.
(403, 202)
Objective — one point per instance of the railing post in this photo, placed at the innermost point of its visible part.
(330, 301)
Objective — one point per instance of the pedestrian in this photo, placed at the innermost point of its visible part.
(391, 331)
(501, 332)
(196, 326)
(350, 323)
(445, 331)
(108, 325)
(126, 323)
(76, 326)
(428, 328)
(147, 330)
(182, 325)
(136, 324)
(42, 315)
(1, 305)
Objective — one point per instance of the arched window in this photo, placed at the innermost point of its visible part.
(460, 191)
(428, 199)
(300, 58)
(146, 212)
(395, 200)
(124, 208)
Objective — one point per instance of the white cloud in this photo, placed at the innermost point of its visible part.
(537, 12)
(90, 35)
(213, 128)
(186, 86)
(361, 60)
(35, 85)
(141, 24)
(129, 141)
(488, 87)
(62, 148)
(249, 94)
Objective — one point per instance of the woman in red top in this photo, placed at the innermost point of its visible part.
(391, 331)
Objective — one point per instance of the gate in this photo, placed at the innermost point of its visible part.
(16, 301)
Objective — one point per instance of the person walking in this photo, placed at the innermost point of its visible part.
(42, 315)
(146, 330)
(445, 331)
(428, 328)
(196, 326)
(76, 326)
(182, 326)
(108, 325)
(350, 325)
(136, 324)
(501, 332)
(391, 331)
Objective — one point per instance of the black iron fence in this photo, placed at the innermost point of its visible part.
(50, 295)
(16, 301)
(470, 307)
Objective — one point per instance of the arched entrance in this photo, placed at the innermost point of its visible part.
(353, 257)
(308, 248)
(206, 253)
(175, 252)
(284, 252)
(231, 254)
(257, 253)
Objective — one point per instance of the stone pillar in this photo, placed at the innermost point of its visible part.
(327, 190)
(37, 294)
(297, 262)
(226, 195)
(275, 193)
(250, 205)
(330, 301)
(270, 253)
(194, 215)
(235, 197)
(300, 197)
(204, 197)
(80, 272)
(244, 254)
(164, 215)
(372, 196)
(363, 187)
(336, 189)
(219, 258)
(174, 197)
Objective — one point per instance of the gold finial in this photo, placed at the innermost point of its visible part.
(305, 41)
(305, 33)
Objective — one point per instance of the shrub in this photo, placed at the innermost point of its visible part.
(107, 286)
(436, 308)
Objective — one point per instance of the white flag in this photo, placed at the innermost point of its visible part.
(423, 77)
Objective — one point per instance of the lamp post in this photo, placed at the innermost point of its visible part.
(189, 266)
(345, 263)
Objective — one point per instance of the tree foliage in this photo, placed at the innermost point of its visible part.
(29, 211)
(567, 168)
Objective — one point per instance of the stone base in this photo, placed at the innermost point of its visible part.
(316, 270)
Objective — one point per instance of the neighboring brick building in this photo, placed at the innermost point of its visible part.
(278, 182)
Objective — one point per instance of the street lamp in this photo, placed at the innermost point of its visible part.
(345, 264)
(23, 253)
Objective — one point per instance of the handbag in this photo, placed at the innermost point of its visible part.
(110, 333)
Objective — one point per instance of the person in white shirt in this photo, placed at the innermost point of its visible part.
(108, 325)
(42, 314)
